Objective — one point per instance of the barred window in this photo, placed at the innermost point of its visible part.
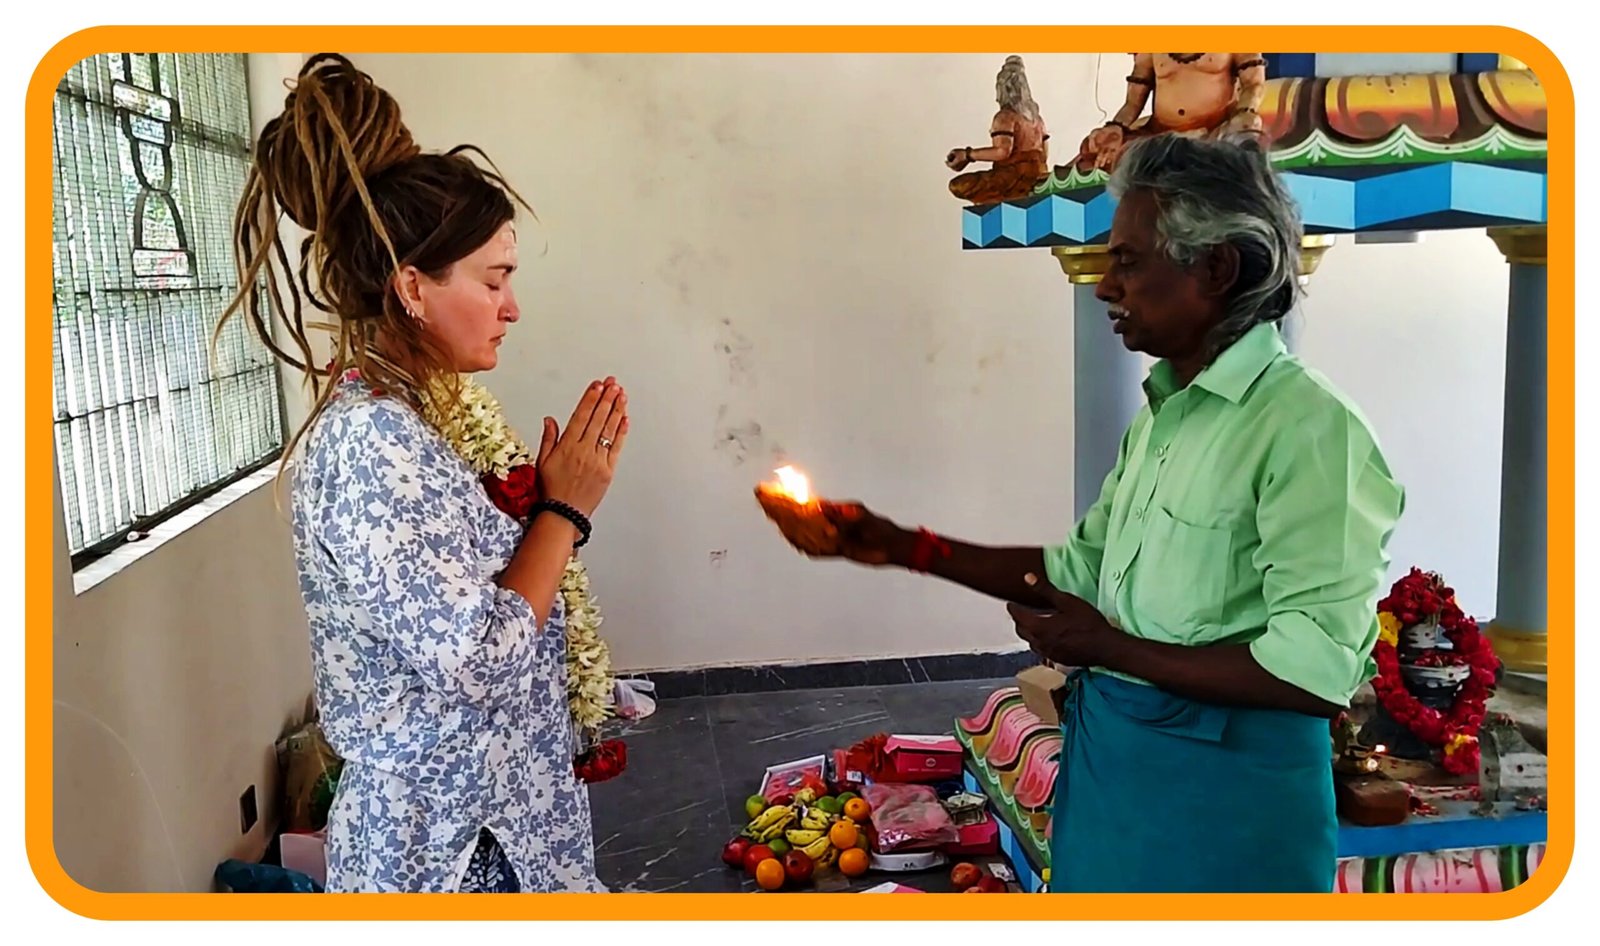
(151, 152)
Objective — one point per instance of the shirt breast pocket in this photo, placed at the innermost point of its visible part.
(1182, 578)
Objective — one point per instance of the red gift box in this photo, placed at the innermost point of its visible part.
(977, 840)
(923, 758)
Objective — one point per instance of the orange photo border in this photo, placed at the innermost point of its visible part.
(805, 39)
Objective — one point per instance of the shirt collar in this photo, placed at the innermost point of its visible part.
(1231, 374)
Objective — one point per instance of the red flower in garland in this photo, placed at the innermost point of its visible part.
(605, 761)
(1415, 599)
(515, 493)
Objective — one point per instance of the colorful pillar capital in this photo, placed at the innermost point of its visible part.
(1084, 265)
(1521, 245)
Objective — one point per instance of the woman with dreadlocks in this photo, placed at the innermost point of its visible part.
(437, 632)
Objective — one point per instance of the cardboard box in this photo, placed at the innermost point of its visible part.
(924, 758)
(1038, 685)
(789, 778)
(977, 840)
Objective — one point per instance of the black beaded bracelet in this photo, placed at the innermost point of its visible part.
(578, 519)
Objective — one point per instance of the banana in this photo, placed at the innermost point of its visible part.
(817, 849)
(780, 815)
(816, 820)
(772, 816)
(775, 830)
(829, 858)
(802, 837)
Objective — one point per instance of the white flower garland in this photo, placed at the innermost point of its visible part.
(478, 430)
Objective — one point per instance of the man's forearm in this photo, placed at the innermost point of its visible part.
(1224, 674)
(996, 572)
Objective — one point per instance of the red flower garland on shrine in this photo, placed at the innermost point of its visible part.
(1422, 597)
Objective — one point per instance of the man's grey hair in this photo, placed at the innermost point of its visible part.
(1211, 192)
(1011, 89)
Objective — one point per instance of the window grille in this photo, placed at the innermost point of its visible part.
(151, 153)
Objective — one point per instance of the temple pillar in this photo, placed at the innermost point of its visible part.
(1106, 378)
(1518, 631)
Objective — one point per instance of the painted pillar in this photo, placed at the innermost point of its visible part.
(1106, 378)
(1107, 392)
(1518, 631)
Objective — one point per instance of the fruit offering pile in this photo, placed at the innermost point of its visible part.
(788, 842)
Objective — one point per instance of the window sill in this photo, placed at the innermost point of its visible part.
(98, 571)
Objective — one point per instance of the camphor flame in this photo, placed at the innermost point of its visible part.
(795, 484)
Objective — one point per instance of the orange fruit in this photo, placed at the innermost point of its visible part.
(857, 809)
(769, 874)
(854, 862)
(843, 835)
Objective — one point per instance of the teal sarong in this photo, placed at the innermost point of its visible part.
(1160, 794)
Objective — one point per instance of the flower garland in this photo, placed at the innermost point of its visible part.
(477, 428)
(1422, 598)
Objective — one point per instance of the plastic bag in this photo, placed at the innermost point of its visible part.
(235, 876)
(908, 816)
(310, 776)
(633, 700)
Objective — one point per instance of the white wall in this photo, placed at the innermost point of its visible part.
(1417, 333)
(767, 240)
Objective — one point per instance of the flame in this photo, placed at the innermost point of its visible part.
(795, 484)
(1380, 748)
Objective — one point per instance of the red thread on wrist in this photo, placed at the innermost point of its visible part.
(928, 545)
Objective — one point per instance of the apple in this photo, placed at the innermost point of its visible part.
(965, 876)
(754, 855)
(754, 805)
(798, 867)
(992, 885)
(733, 851)
(973, 890)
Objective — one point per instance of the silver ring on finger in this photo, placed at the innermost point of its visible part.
(605, 443)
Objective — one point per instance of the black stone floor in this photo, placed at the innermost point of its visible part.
(661, 825)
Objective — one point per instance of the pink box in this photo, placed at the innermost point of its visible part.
(977, 840)
(891, 887)
(305, 853)
(924, 758)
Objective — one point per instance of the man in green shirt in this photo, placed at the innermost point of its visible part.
(1220, 593)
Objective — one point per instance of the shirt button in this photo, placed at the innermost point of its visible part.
(1161, 451)
(1116, 575)
(1138, 514)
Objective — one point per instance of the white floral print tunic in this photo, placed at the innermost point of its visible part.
(447, 702)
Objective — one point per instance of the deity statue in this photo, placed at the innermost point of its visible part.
(1018, 154)
(1198, 94)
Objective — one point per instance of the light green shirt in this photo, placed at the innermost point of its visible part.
(1253, 506)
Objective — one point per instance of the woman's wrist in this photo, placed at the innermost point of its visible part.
(575, 520)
